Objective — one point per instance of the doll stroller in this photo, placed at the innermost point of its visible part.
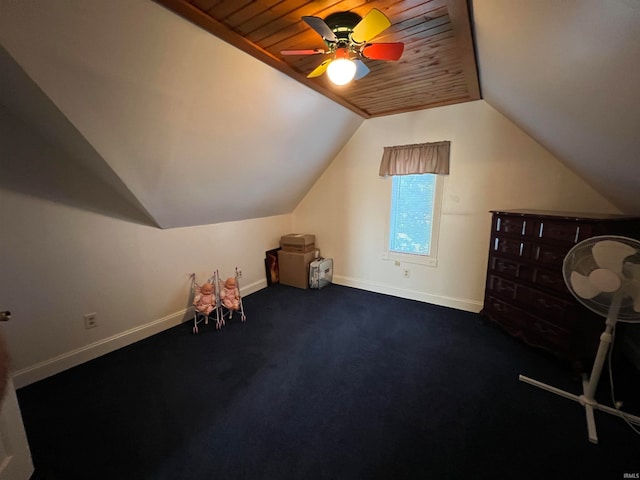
(225, 304)
(201, 316)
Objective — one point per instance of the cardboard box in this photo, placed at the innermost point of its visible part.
(294, 267)
(298, 242)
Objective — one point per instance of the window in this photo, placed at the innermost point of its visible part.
(414, 218)
(416, 196)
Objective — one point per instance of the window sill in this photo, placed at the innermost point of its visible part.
(427, 260)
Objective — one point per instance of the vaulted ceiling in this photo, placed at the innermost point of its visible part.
(568, 74)
(189, 112)
(437, 66)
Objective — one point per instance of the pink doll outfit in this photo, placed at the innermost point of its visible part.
(204, 303)
(230, 297)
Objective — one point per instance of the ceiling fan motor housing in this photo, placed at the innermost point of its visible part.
(341, 24)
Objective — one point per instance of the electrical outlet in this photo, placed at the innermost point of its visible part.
(406, 273)
(90, 320)
(239, 273)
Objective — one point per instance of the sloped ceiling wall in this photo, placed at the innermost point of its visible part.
(77, 176)
(568, 74)
(197, 131)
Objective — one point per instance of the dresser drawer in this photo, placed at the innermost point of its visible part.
(530, 328)
(511, 247)
(494, 307)
(551, 279)
(553, 309)
(565, 232)
(501, 287)
(514, 225)
(542, 334)
(549, 255)
(504, 266)
(507, 267)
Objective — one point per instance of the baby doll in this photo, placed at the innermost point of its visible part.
(229, 294)
(205, 301)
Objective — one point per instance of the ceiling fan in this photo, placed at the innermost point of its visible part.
(347, 37)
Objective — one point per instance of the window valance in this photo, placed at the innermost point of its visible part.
(417, 158)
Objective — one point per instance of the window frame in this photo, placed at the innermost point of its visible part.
(430, 260)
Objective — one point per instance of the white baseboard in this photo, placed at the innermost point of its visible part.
(70, 359)
(252, 287)
(457, 303)
(52, 366)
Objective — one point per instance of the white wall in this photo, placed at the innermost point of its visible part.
(174, 111)
(61, 257)
(494, 165)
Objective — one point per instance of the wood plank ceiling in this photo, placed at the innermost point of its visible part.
(437, 68)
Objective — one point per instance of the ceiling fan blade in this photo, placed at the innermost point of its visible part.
(321, 27)
(320, 69)
(309, 51)
(383, 51)
(371, 25)
(361, 69)
(610, 254)
(583, 286)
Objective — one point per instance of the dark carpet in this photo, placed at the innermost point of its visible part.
(333, 384)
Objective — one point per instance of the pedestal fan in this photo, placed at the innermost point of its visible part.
(603, 273)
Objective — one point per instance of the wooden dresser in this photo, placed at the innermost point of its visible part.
(525, 292)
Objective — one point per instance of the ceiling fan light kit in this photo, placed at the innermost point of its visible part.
(341, 71)
(346, 35)
(602, 273)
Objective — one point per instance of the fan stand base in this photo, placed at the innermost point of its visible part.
(590, 384)
(589, 404)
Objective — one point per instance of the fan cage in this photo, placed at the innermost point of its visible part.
(580, 259)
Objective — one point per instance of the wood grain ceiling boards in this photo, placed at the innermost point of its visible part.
(438, 66)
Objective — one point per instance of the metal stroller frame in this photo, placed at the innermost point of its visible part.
(223, 310)
(199, 317)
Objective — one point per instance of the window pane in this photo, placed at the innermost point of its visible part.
(412, 200)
